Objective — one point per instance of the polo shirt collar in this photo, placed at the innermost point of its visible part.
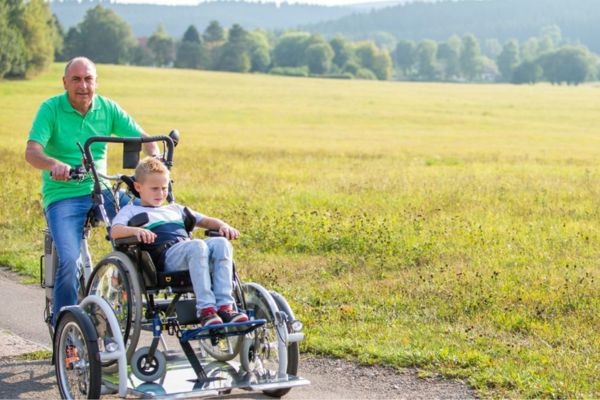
(67, 107)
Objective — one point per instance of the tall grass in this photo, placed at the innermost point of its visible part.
(452, 228)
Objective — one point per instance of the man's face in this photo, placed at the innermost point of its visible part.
(153, 190)
(80, 83)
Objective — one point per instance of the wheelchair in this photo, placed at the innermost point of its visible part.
(149, 304)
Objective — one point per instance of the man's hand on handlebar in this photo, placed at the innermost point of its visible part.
(60, 171)
(76, 173)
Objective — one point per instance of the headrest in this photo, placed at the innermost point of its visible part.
(129, 180)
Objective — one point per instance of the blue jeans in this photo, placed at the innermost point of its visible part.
(65, 220)
(210, 263)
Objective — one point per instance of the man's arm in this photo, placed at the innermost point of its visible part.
(34, 154)
(150, 148)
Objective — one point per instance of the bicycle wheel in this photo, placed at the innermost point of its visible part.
(116, 280)
(76, 358)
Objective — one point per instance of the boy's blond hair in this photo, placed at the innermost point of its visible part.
(150, 165)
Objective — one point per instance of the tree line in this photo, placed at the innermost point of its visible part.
(464, 59)
(32, 37)
(106, 38)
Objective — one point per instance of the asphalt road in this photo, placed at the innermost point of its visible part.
(23, 331)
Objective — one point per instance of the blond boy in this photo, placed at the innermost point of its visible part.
(209, 261)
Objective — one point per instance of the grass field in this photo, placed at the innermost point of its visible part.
(453, 228)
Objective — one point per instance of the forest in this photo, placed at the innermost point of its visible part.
(35, 36)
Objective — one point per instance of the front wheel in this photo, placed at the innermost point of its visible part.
(76, 364)
(146, 368)
(263, 352)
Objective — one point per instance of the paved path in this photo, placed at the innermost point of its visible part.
(23, 331)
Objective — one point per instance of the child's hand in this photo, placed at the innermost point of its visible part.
(145, 235)
(229, 232)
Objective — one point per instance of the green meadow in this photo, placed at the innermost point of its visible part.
(452, 228)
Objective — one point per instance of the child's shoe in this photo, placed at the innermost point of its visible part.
(208, 316)
(228, 314)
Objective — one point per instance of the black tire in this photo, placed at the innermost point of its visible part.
(148, 369)
(78, 371)
(116, 280)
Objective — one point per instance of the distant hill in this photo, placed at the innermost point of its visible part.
(144, 18)
(579, 20)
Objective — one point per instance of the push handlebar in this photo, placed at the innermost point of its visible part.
(88, 159)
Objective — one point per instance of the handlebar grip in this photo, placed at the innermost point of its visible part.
(75, 173)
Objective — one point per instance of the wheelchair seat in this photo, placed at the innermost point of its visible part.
(154, 278)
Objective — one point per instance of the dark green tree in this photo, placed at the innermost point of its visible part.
(102, 36)
(569, 64)
(342, 51)
(508, 60)
(13, 53)
(290, 49)
(319, 57)
(426, 53)
(448, 58)
(372, 58)
(191, 35)
(38, 29)
(382, 65)
(527, 72)
(72, 43)
(470, 57)
(190, 51)
(142, 55)
(58, 39)
(234, 55)
(404, 57)
(191, 55)
(162, 47)
(214, 34)
(260, 51)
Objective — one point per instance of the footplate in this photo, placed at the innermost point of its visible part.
(181, 381)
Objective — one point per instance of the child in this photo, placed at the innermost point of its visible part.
(164, 235)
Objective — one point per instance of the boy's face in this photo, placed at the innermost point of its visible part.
(153, 190)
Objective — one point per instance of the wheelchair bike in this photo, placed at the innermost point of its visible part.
(127, 301)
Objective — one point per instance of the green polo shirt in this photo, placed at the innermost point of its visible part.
(58, 127)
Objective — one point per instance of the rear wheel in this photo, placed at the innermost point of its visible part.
(76, 364)
(116, 280)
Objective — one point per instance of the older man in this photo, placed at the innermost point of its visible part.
(61, 122)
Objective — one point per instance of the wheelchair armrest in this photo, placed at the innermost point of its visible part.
(127, 241)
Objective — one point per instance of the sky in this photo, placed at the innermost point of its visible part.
(320, 2)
